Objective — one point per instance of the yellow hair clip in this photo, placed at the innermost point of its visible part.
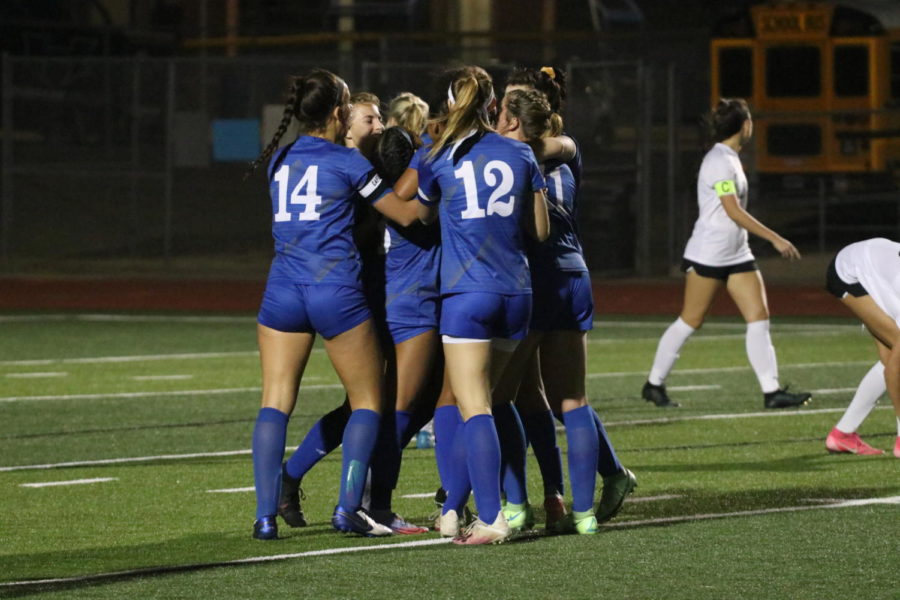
(549, 71)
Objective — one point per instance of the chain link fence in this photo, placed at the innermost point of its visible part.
(127, 158)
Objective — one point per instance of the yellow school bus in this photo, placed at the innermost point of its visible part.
(823, 82)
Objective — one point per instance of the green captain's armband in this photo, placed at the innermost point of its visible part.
(725, 188)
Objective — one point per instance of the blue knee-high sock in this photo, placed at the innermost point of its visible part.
(583, 441)
(358, 443)
(385, 463)
(322, 438)
(511, 436)
(458, 484)
(607, 461)
(268, 450)
(483, 459)
(540, 429)
(446, 421)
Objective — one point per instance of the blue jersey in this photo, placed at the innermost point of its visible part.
(573, 163)
(562, 250)
(315, 186)
(413, 253)
(482, 196)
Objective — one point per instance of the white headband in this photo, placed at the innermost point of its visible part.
(451, 99)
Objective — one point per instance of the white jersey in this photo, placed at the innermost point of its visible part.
(718, 241)
(874, 264)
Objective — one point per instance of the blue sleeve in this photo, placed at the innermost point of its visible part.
(417, 158)
(429, 190)
(364, 180)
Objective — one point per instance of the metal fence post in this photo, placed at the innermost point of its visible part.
(822, 201)
(670, 163)
(168, 177)
(644, 155)
(6, 159)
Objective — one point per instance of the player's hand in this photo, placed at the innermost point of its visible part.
(786, 249)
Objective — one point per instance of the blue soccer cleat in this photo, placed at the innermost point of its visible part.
(358, 522)
(265, 528)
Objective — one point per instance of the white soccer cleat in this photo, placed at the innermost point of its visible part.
(449, 524)
(480, 532)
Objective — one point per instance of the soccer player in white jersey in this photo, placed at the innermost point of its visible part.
(717, 255)
(866, 278)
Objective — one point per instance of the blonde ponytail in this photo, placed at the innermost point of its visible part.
(471, 95)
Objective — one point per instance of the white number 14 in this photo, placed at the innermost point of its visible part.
(310, 199)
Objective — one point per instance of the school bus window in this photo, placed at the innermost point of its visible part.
(735, 72)
(895, 70)
(851, 70)
(793, 71)
(794, 140)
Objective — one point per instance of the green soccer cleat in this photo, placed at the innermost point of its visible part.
(582, 523)
(615, 489)
(519, 517)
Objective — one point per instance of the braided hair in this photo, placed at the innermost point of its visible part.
(311, 100)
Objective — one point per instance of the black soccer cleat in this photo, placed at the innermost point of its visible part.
(289, 501)
(785, 399)
(265, 528)
(657, 395)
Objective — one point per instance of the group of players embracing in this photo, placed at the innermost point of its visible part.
(439, 260)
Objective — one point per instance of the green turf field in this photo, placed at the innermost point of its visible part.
(733, 501)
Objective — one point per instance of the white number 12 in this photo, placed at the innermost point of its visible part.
(495, 205)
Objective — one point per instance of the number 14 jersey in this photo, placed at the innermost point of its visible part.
(315, 185)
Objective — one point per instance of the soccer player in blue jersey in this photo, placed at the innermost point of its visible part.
(489, 191)
(568, 337)
(314, 287)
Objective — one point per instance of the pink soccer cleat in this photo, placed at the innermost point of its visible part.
(897, 447)
(839, 442)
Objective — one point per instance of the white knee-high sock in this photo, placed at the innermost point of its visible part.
(864, 400)
(667, 350)
(762, 355)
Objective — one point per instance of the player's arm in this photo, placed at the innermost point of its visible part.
(395, 208)
(560, 147)
(538, 226)
(726, 191)
(406, 186)
(428, 192)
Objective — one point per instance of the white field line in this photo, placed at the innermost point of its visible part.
(737, 326)
(232, 490)
(691, 388)
(762, 511)
(37, 375)
(422, 495)
(654, 498)
(93, 360)
(161, 377)
(126, 359)
(710, 370)
(800, 412)
(240, 561)
(660, 421)
(69, 482)
(119, 461)
(715, 337)
(148, 394)
(104, 317)
(128, 318)
(433, 542)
